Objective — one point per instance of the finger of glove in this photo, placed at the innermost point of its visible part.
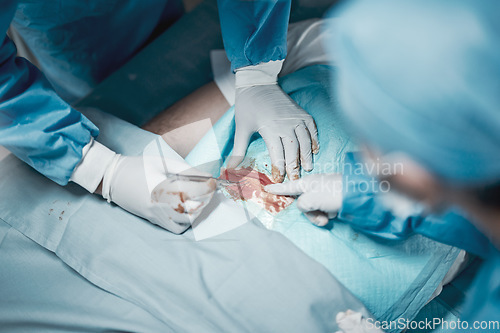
(173, 221)
(291, 147)
(332, 214)
(241, 140)
(313, 131)
(305, 145)
(195, 207)
(176, 213)
(353, 322)
(325, 202)
(311, 201)
(276, 153)
(184, 197)
(293, 187)
(317, 217)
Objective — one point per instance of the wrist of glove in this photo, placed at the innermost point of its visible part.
(139, 185)
(288, 130)
(319, 195)
(265, 73)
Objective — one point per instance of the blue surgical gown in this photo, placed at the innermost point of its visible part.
(254, 31)
(364, 211)
(78, 44)
(35, 123)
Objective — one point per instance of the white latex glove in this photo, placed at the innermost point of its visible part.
(288, 130)
(320, 195)
(172, 204)
(353, 322)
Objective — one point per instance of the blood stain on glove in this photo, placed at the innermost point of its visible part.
(162, 196)
(251, 188)
(315, 147)
(180, 209)
(182, 196)
(276, 174)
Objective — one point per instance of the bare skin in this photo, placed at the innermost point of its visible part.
(182, 125)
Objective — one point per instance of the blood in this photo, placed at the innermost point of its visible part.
(252, 189)
(180, 209)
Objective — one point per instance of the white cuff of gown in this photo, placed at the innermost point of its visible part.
(96, 159)
(261, 74)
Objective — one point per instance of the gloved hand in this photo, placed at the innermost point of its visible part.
(128, 181)
(353, 322)
(173, 204)
(320, 195)
(288, 130)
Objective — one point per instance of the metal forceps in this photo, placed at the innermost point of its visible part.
(195, 178)
(199, 178)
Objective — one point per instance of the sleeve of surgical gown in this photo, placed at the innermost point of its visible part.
(254, 31)
(364, 210)
(35, 124)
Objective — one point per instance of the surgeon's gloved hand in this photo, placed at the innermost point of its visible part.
(320, 195)
(172, 203)
(288, 130)
(353, 322)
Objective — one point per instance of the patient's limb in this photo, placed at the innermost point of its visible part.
(181, 126)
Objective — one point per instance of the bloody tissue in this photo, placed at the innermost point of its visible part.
(251, 188)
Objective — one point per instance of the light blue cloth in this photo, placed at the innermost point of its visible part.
(478, 304)
(416, 73)
(435, 310)
(484, 302)
(39, 293)
(246, 280)
(392, 278)
(364, 212)
(254, 31)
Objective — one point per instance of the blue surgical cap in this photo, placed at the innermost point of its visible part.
(422, 77)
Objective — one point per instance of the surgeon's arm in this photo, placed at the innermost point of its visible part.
(254, 34)
(353, 198)
(41, 129)
(364, 210)
(254, 31)
(36, 125)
